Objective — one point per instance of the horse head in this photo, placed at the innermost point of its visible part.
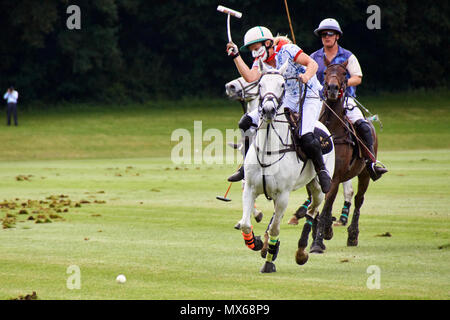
(239, 89)
(335, 82)
(271, 90)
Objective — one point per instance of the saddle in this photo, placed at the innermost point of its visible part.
(294, 118)
(350, 138)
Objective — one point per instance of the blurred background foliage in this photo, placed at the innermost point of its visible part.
(139, 50)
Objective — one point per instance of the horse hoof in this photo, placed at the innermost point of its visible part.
(268, 267)
(352, 242)
(237, 226)
(259, 216)
(301, 257)
(300, 213)
(293, 221)
(328, 233)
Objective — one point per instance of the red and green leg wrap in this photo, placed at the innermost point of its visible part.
(252, 242)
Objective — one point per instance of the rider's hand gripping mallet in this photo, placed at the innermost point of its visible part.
(229, 12)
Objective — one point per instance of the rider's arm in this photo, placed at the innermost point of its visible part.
(248, 74)
(309, 63)
(354, 70)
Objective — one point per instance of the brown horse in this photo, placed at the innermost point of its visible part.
(349, 163)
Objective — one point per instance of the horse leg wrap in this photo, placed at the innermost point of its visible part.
(274, 247)
(252, 242)
(345, 212)
(303, 242)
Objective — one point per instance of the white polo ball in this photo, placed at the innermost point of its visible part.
(121, 278)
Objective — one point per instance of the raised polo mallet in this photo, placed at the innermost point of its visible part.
(229, 12)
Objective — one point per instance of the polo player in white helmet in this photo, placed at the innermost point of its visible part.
(274, 52)
(330, 32)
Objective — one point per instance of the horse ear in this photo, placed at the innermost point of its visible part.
(284, 67)
(326, 61)
(345, 63)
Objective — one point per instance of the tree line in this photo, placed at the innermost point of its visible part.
(136, 50)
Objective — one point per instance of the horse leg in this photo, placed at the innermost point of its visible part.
(281, 203)
(248, 201)
(301, 211)
(301, 256)
(348, 195)
(353, 230)
(325, 222)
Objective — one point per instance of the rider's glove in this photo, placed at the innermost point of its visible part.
(233, 51)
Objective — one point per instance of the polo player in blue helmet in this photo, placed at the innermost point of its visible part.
(330, 32)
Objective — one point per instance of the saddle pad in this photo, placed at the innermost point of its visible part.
(325, 140)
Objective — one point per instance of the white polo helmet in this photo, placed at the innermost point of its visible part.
(254, 35)
(328, 24)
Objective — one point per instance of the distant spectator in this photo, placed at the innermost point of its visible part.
(11, 96)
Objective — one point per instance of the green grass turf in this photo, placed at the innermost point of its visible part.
(162, 227)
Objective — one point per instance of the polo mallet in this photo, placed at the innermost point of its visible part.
(229, 12)
(224, 198)
(289, 19)
(237, 14)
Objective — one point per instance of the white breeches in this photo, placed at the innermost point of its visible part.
(352, 111)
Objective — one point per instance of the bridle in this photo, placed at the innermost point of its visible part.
(270, 95)
(342, 84)
(288, 147)
(244, 91)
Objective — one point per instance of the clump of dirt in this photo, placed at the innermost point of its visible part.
(22, 177)
(386, 234)
(9, 222)
(32, 296)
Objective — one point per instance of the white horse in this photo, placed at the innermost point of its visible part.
(272, 168)
(247, 94)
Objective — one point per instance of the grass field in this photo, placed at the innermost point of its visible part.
(160, 224)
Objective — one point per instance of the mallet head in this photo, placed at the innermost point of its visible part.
(229, 11)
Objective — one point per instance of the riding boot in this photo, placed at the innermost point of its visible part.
(365, 133)
(239, 174)
(312, 149)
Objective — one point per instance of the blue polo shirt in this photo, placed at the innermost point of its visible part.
(341, 56)
(290, 52)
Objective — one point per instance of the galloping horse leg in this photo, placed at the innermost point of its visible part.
(348, 195)
(280, 203)
(325, 223)
(248, 202)
(353, 230)
(301, 256)
(301, 211)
